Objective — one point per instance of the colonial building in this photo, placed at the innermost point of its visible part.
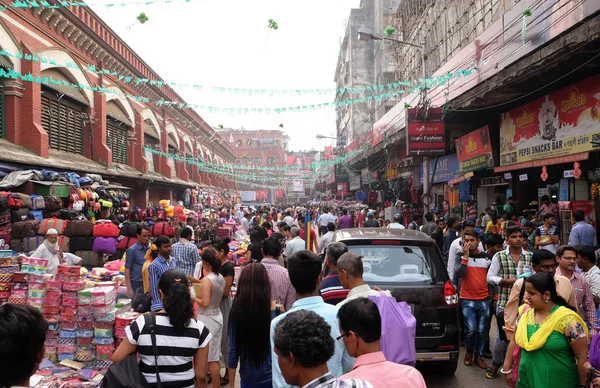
(52, 125)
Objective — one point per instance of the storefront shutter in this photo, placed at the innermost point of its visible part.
(62, 118)
(116, 139)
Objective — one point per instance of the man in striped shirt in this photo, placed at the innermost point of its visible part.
(303, 345)
(186, 252)
(332, 290)
(163, 262)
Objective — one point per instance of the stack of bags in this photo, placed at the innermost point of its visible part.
(30, 243)
(104, 310)
(127, 238)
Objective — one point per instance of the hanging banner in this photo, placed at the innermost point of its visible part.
(248, 196)
(474, 151)
(328, 152)
(342, 189)
(562, 123)
(279, 194)
(261, 194)
(426, 133)
(298, 185)
(446, 169)
(355, 182)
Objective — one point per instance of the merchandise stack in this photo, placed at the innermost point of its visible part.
(105, 311)
(70, 280)
(122, 321)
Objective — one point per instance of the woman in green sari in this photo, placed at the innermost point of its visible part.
(553, 340)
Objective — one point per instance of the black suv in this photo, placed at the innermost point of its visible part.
(409, 264)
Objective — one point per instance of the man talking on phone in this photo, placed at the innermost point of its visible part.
(457, 246)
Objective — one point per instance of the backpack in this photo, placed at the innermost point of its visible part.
(136, 214)
(161, 213)
(149, 212)
(398, 329)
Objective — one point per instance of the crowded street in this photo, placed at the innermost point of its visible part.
(311, 194)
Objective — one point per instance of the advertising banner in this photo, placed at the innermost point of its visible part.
(328, 153)
(562, 123)
(342, 189)
(299, 161)
(355, 182)
(474, 151)
(261, 194)
(426, 132)
(298, 185)
(248, 196)
(279, 194)
(446, 170)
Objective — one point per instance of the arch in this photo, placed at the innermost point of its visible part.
(147, 114)
(200, 150)
(9, 43)
(173, 139)
(62, 57)
(121, 101)
(188, 145)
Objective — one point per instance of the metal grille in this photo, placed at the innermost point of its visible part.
(62, 118)
(151, 142)
(116, 139)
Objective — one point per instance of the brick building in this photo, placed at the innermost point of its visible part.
(51, 125)
(258, 148)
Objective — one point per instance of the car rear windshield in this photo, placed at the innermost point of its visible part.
(402, 263)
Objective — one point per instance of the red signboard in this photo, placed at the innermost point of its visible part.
(279, 194)
(261, 194)
(342, 189)
(426, 133)
(328, 153)
(299, 161)
(474, 151)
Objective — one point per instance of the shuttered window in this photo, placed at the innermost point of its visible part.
(116, 139)
(62, 118)
(151, 142)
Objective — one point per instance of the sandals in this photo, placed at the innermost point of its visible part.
(492, 371)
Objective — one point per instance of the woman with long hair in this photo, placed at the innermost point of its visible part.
(181, 340)
(249, 328)
(227, 271)
(254, 251)
(552, 338)
(209, 312)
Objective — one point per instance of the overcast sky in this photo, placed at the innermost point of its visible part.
(228, 43)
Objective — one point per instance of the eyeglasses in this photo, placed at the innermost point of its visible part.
(568, 258)
(342, 336)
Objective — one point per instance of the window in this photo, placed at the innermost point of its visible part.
(239, 161)
(116, 139)
(151, 142)
(258, 161)
(62, 118)
(249, 142)
(238, 143)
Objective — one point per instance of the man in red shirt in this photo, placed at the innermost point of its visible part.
(474, 301)
(314, 244)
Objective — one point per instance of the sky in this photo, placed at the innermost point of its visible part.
(219, 43)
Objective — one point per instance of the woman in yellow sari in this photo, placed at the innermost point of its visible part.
(552, 337)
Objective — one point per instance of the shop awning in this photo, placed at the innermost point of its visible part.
(544, 162)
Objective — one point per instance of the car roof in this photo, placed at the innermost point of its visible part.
(380, 233)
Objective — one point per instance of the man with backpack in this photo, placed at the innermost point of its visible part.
(360, 327)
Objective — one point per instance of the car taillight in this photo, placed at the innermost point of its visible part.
(450, 295)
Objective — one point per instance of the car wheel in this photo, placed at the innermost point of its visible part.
(449, 367)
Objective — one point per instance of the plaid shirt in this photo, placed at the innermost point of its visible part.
(330, 381)
(187, 256)
(282, 290)
(585, 300)
(503, 267)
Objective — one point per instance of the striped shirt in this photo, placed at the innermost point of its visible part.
(155, 270)
(175, 350)
(332, 290)
(187, 256)
(330, 381)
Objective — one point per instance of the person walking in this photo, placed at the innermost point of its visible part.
(474, 297)
(506, 266)
(163, 262)
(304, 349)
(586, 260)
(582, 233)
(370, 222)
(296, 244)
(547, 235)
(186, 252)
(134, 261)
(449, 236)
(360, 328)
(182, 342)
(327, 237)
(351, 270)
(332, 290)
(305, 274)
(228, 272)
(552, 340)
(345, 221)
(398, 222)
(249, 328)
(281, 288)
(209, 311)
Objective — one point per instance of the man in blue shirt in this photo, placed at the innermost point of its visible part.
(304, 269)
(135, 259)
(332, 290)
(163, 262)
(186, 252)
(582, 233)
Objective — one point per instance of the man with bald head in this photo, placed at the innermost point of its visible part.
(350, 268)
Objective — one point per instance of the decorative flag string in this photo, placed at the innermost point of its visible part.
(526, 14)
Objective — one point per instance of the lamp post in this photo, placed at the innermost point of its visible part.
(366, 34)
(319, 136)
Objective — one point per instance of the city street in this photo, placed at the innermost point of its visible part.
(471, 377)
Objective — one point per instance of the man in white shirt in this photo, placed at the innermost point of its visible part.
(398, 222)
(328, 237)
(190, 226)
(296, 244)
(288, 219)
(324, 219)
(350, 267)
(245, 222)
(51, 250)
(456, 247)
(586, 260)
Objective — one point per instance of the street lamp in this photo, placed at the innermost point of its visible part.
(366, 34)
(319, 136)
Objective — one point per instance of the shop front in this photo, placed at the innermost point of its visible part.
(445, 170)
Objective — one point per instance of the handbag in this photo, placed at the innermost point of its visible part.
(125, 374)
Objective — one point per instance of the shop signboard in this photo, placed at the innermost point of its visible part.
(562, 123)
(355, 182)
(248, 196)
(261, 194)
(279, 194)
(464, 191)
(328, 153)
(446, 169)
(474, 151)
(342, 189)
(298, 185)
(426, 135)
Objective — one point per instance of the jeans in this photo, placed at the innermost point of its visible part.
(489, 323)
(135, 285)
(476, 314)
(499, 346)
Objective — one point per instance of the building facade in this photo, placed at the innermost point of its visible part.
(73, 109)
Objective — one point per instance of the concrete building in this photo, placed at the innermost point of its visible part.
(51, 124)
(260, 149)
(299, 183)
